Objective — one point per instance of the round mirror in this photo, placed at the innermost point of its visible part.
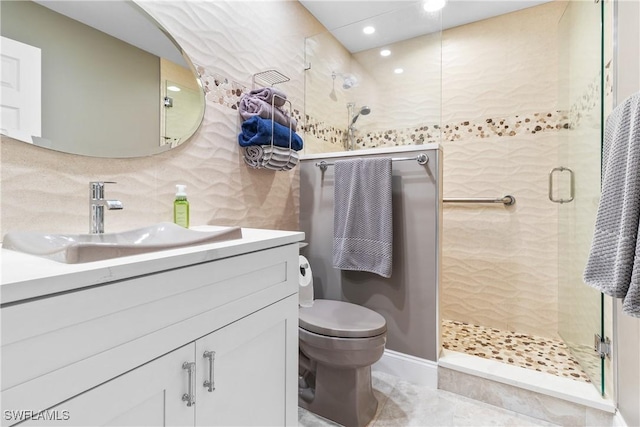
(96, 78)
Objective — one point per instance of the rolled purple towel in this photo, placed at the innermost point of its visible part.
(270, 95)
(252, 106)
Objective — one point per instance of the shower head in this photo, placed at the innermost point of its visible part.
(364, 110)
(348, 80)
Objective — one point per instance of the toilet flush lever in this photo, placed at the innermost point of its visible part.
(209, 384)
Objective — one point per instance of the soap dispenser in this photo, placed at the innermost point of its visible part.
(181, 207)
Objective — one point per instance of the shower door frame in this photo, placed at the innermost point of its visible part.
(581, 309)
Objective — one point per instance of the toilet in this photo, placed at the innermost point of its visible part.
(339, 342)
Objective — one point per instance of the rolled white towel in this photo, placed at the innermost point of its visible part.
(280, 167)
(279, 154)
(253, 156)
(270, 157)
(281, 161)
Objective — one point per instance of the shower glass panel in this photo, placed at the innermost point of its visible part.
(358, 98)
(581, 70)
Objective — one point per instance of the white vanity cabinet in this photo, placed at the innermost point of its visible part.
(132, 351)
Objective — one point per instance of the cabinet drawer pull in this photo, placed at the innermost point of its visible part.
(190, 396)
(210, 384)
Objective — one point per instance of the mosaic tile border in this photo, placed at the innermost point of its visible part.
(320, 130)
(527, 351)
(517, 125)
(221, 90)
(590, 99)
(226, 92)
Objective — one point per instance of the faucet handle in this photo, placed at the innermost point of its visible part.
(92, 183)
(97, 188)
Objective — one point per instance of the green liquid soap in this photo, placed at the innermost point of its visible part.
(181, 207)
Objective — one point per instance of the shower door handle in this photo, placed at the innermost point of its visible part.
(571, 185)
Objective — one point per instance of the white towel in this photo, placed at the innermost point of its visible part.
(270, 157)
(614, 262)
(362, 216)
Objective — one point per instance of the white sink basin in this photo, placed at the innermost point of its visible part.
(78, 248)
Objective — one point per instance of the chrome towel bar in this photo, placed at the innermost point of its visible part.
(507, 200)
(422, 159)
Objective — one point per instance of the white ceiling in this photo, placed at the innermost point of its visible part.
(398, 20)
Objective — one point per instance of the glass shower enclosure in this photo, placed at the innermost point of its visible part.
(575, 183)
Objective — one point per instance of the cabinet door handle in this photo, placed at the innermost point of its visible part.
(190, 396)
(210, 384)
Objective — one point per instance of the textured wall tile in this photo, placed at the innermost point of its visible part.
(501, 65)
(48, 191)
(504, 275)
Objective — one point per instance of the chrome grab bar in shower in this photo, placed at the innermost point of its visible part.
(507, 200)
(421, 158)
(572, 188)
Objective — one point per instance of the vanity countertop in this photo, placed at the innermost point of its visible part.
(27, 276)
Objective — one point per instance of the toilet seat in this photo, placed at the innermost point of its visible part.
(341, 320)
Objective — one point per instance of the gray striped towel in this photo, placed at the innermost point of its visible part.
(362, 216)
(613, 266)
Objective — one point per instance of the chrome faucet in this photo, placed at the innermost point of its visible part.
(97, 203)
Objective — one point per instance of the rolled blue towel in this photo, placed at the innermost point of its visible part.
(257, 131)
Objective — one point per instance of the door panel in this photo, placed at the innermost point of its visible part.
(249, 361)
(150, 395)
(576, 180)
(21, 90)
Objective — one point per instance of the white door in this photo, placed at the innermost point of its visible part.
(249, 375)
(20, 96)
(150, 395)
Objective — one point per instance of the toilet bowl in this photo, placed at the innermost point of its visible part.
(339, 342)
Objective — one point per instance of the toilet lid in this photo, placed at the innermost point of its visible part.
(341, 319)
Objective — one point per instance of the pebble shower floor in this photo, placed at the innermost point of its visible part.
(527, 351)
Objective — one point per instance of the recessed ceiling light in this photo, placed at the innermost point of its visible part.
(368, 30)
(385, 52)
(173, 88)
(433, 5)
(398, 71)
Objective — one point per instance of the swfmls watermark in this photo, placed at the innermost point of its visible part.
(48, 415)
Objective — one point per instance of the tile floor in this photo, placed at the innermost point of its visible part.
(527, 351)
(404, 404)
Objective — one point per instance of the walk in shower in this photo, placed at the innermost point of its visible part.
(512, 286)
(516, 103)
(514, 274)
